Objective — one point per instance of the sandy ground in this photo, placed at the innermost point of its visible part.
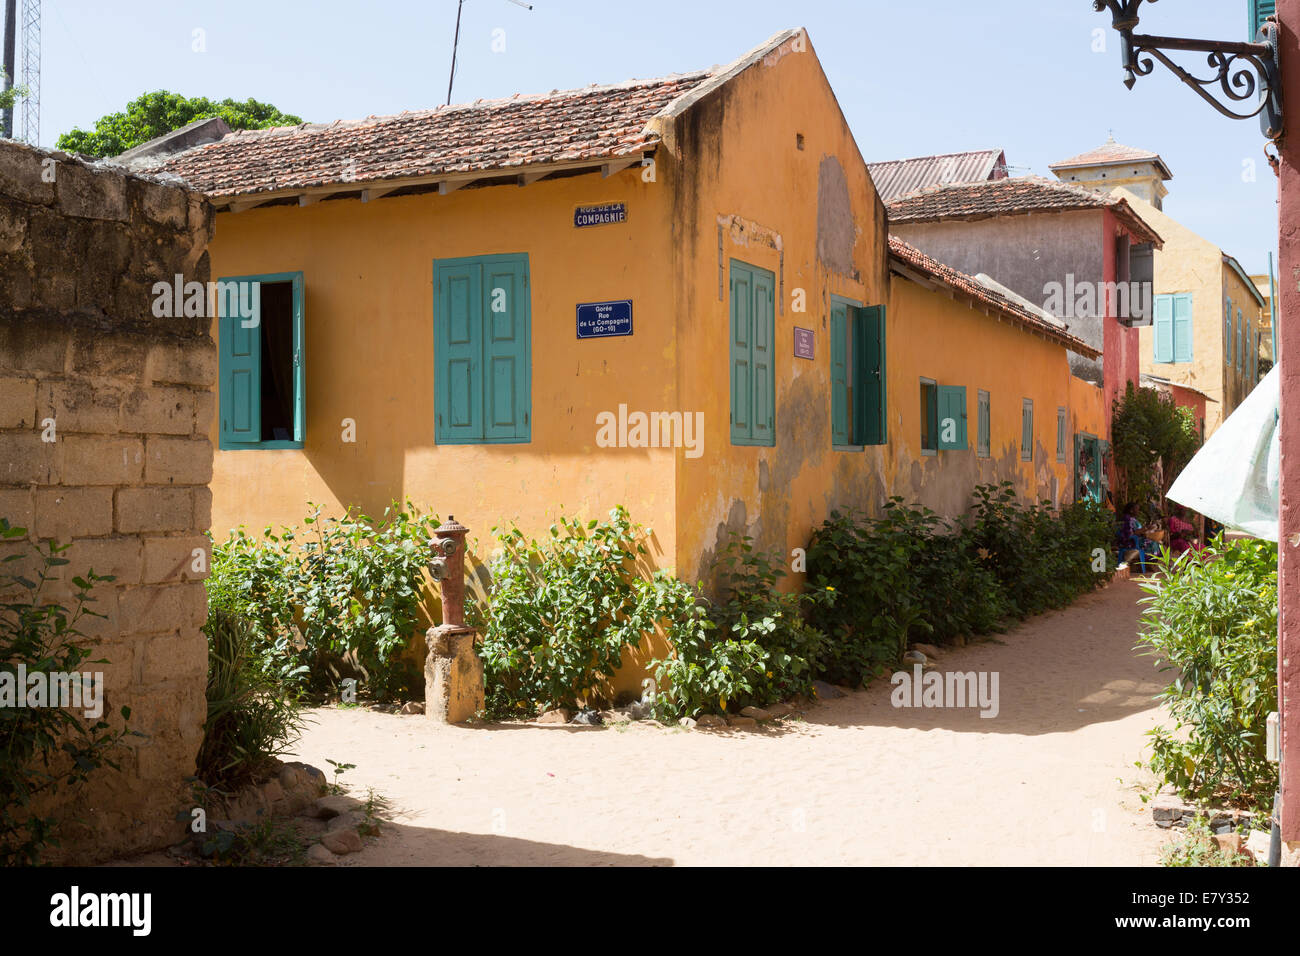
(1049, 781)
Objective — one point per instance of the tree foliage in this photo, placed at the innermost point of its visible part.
(1153, 439)
(159, 112)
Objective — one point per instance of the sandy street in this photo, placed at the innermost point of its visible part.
(1050, 780)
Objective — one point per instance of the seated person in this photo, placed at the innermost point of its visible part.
(1127, 540)
(1181, 532)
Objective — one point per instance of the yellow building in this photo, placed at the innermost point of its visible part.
(675, 294)
(1209, 317)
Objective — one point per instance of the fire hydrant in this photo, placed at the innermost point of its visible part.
(453, 674)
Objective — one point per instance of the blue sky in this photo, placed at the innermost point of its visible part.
(912, 78)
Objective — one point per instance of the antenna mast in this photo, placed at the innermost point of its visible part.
(32, 71)
(455, 43)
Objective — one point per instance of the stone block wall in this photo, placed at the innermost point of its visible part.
(104, 415)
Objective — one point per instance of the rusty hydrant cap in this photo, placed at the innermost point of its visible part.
(451, 526)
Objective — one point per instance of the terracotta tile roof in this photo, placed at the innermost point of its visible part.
(1012, 197)
(508, 134)
(912, 257)
(1112, 153)
(898, 177)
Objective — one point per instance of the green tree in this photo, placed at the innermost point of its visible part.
(9, 97)
(154, 114)
(1153, 440)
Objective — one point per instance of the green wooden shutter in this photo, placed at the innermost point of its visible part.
(505, 344)
(1241, 342)
(1227, 334)
(982, 425)
(1260, 10)
(299, 363)
(459, 344)
(752, 355)
(870, 388)
(1060, 433)
(764, 363)
(742, 376)
(1027, 430)
(1164, 328)
(839, 351)
(952, 416)
(240, 375)
(1182, 327)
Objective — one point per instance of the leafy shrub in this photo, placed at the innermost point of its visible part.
(751, 646)
(1199, 848)
(561, 612)
(1153, 439)
(44, 748)
(879, 583)
(1211, 619)
(252, 717)
(1042, 560)
(339, 596)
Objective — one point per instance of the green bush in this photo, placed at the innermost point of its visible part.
(1042, 560)
(561, 612)
(878, 584)
(1153, 439)
(252, 716)
(43, 749)
(1211, 620)
(751, 646)
(338, 597)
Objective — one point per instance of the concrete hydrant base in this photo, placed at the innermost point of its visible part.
(453, 675)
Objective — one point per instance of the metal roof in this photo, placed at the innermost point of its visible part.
(898, 177)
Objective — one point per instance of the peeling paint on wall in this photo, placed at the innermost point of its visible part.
(836, 231)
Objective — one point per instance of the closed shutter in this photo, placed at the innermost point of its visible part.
(752, 355)
(764, 357)
(840, 375)
(982, 424)
(742, 387)
(240, 370)
(505, 333)
(1027, 430)
(952, 417)
(1164, 328)
(483, 350)
(459, 342)
(1227, 334)
(1241, 342)
(870, 425)
(1182, 327)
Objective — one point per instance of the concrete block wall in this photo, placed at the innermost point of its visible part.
(105, 410)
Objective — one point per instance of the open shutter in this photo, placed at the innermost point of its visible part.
(764, 329)
(1260, 10)
(1142, 270)
(952, 417)
(1182, 327)
(459, 344)
(839, 375)
(1164, 328)
(1241, 342)
(1060, 434)
(299, 364)
(869, 389)
(742, 378)
(240, 374)
(505, 332)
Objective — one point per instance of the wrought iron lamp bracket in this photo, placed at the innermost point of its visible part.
(1240, 70)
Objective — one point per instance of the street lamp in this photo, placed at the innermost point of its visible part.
(1239, 68)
